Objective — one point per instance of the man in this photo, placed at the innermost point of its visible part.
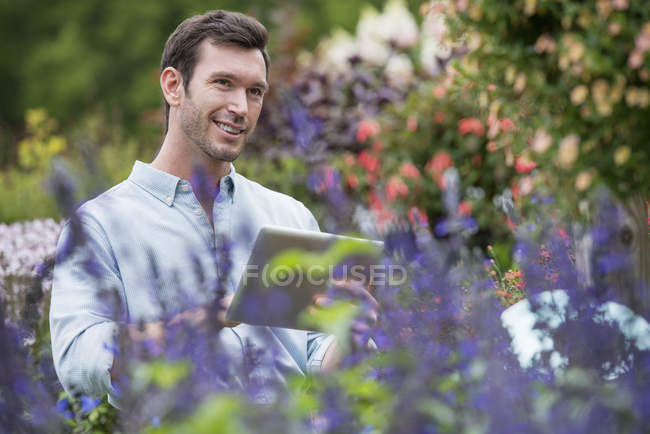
(152, 241)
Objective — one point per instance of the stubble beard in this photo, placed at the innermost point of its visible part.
(195, 128)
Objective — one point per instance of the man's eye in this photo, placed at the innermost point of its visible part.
(222, 82)
(257, 92)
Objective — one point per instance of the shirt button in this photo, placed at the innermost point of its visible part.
(169, 200)
(197, 211)
(185, 187)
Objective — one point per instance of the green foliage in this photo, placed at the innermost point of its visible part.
(24, 196)
(161, 373)
(219, 414)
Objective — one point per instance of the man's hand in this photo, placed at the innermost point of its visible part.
(200, 318)
(362, 323)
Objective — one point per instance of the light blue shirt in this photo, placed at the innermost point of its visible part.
(144, 242)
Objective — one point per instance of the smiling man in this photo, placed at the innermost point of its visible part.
(153, 242)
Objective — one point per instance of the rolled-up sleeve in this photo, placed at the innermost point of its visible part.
(87, 301)
(317, 346)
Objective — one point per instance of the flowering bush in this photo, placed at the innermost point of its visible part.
(433, 160)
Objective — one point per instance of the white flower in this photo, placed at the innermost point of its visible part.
(336, 50)
(433, 47)
(399, 70)
(371, 44)
(398, 25)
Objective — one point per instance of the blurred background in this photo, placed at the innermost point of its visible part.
(90, 69)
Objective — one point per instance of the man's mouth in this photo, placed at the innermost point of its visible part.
(230, 129)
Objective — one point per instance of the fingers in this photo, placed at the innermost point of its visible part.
(356, 290)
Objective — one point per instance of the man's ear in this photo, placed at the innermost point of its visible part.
(171, 83)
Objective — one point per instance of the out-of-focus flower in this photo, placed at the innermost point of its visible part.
(492, 146)
(440, 162)
(470, 125)
(433, 48)
(614, 28)
(88, 403)
(568, 151)
(545, 44)
(399, 71)
(408, 170)
(399, 26)
(439, 117)
(368, 161)
(349, 160)
(637, 97)
(508, 125)
(622, 155)
(524, 164)
(370, 41)
(526, 185)
(368, 128)
(395, 187)
(417, 217)
(542, 141)
(529, 7)
(620, 5)
(635, 60)
(465, 208)
(584, 179)
(352, 180)
(337, 50)
(520, 82)
(412, 123)
(579, 94)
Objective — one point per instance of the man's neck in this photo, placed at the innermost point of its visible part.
(181, 159)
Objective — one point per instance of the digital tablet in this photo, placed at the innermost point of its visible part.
(287, 267)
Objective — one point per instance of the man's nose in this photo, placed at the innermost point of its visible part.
(238, 103)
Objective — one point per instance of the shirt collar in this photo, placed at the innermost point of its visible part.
(162, 185)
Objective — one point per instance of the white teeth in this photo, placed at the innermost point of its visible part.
(228, 128)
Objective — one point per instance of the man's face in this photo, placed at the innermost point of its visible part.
(223, 99)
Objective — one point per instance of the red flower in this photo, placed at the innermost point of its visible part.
(470, 125)
(368, 128)
(408, 170)
(465, 208)
(352, 180)
(395, 187)
(417, 217)
(524, 165)
(437, 165)
(368, 161)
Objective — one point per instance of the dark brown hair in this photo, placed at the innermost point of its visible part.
(220, 27)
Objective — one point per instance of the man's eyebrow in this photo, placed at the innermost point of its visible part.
(231, 76)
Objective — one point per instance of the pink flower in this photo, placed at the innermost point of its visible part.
(507, 125)
(368, 161)
(349, 160)
(412, 123)
(465, 208)
(524, 165)
(408, 170)
(395, 187)
(470, 125)
(439, 117)
(437, 165)
(368, 128)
